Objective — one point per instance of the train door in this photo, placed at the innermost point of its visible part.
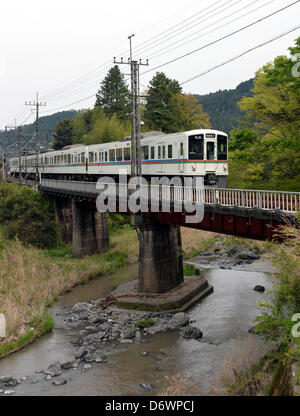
(161, 155)
(181, 157)
(210, 151)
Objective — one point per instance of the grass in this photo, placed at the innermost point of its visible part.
(190, 270)
(31, 279)
(146, 323)
(244, 367)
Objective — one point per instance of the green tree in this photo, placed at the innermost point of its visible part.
(192, 115)
(63, 134)
(113, 95)
(162, 111)
(26, 215)
(271, 153)
(168, 110)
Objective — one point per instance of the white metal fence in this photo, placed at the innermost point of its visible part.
(288, 202)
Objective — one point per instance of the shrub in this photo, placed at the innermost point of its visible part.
(25, 214)
(190, 270)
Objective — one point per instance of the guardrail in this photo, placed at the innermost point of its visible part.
(287, 202)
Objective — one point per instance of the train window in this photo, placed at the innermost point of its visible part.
(159, 152)
(91, 157)
(119, 155)
(163, 152)
(145, 152)
(112, 155)
(127, 153)
(82, 157)
(196, 147)
(96, 157)
(210, 150)
(69, 158)
(152, 152)
(105, 156)
(181, 149)
(222, 148)
(170, 151)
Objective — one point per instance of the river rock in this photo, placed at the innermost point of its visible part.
(129, 333)
(234, 250)
(81, 352)
(80, 307)
(248, 255)
(98, 337)
(9, 392)
(53, 370)
(259, 288)
(8, 381)
(104, 327)
(103, 359)
(179, 320)
(192, 332)
(88, 358)
(98, 320)
(146, 386)
(60, 382)
(67, 364)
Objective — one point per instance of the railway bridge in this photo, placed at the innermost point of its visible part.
(247, 213)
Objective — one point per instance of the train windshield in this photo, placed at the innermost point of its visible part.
(196, 147)
(222, 148)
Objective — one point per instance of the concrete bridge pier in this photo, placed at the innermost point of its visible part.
(161, 267)
(90, 230)
(63, 216)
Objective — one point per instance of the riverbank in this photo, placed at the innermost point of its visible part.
(31, 279)
(132, 366)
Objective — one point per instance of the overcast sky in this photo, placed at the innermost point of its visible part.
(63, 48)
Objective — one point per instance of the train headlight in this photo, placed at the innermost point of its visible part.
(194, 166)
(225, 167)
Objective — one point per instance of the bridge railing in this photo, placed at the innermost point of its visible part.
(288, 202)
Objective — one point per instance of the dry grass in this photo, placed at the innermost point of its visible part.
(127, 241)
(30, 280)
(176, 386)
(193, 240)
(238, 365)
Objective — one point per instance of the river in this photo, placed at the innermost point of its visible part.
(224, 318)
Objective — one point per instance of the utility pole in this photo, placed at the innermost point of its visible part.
(37, 105)
(136, 154)
(5, 154)
(20, 154)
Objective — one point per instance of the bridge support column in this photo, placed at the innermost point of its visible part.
(63, 216)
(161, 266)
(90, 230)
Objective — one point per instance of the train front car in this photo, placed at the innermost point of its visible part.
(208, 152)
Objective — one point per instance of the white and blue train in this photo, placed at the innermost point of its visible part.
(194, 153)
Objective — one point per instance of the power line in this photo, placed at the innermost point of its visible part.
(222, 38)
(76, 102)
(241, 54)
(177, 26)
(199, 22)
(157, 54)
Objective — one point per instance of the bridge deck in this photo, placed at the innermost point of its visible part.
(286, 202)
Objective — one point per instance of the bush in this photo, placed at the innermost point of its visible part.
(26, 215)
(276, 320)
(190, 270)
